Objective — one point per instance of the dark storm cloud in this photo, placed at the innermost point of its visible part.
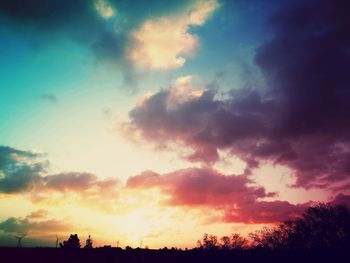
(301, 121)
(307, 66)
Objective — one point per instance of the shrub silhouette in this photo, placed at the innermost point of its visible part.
(73, 242)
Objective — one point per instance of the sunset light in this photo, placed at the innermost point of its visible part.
(153, 123)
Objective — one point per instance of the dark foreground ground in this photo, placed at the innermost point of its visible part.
(167, 256)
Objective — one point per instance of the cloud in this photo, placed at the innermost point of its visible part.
(163, 43)
(19, 170)
(198, 186)
(83, 188)
(87, 185)
(342, 199)
(49, 97)
(26, 225)
(232, 195)
(28, 174)
(39, 229)
(83, 21)
(104, 8)
(298, 121)
(202, 122)
(24, 172)
(41, 213)
(103, 26)
(264, 212)
(305, 65)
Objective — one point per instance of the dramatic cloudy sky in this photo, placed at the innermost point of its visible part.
(157, 121)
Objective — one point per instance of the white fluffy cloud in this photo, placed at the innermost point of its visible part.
(163, 43)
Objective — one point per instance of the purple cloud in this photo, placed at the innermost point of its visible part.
(300, 121)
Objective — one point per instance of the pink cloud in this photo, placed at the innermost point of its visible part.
(233, 195)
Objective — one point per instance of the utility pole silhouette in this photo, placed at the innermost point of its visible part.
(57, 239)
(19, 238)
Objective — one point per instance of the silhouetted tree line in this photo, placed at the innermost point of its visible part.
(235, 241)
(322, 226)
(320, 234)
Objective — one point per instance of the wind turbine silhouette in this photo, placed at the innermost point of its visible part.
(57, 239)
(19, 238)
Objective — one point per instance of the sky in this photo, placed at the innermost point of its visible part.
(158, 121)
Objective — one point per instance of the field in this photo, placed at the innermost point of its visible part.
(168, 256)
